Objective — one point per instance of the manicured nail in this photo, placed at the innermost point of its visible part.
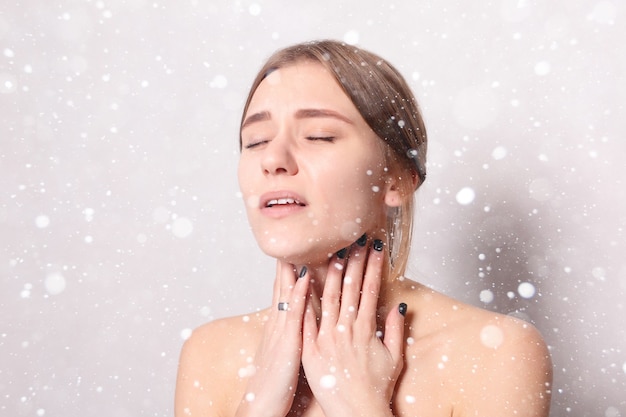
(378, 245)
(362, 240)
(402, 308)
(302, 272)
(342, 253)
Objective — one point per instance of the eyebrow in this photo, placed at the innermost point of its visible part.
(309, 113)
(256, 117)
(300, 114)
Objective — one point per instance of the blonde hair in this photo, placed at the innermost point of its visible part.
(386, 103)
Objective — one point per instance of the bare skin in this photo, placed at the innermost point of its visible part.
(314, 178)
(457, 360)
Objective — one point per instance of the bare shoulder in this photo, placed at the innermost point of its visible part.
(437, 315)
(512, 372)
(490, 363)
(226, 331)
(213, 361)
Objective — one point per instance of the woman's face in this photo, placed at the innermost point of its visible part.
(312, 172)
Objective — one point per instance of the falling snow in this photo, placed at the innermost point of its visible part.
(351, 37)
(465, 196)
(185, 333)
(486, 296)
(491, 336)
(55, 283)
(123, 229)
(328, 381)
(219, 81)
(42, 221)
(182, 227)
(526, 290)
(499, 153)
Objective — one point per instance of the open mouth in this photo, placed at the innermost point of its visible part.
(283, 202)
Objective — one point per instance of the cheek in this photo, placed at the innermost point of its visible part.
(351, 230)
(368, 183)
(360, 197)
(251, 201)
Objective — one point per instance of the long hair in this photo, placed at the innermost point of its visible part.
(386, 103)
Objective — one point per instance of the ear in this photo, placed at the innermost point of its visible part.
(399, 188)
(393, 198)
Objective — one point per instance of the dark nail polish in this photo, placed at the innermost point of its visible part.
(362, 240)
(378, 245)
(342, 253)
(302, 272)
(402, 308)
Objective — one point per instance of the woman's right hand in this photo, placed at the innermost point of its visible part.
(270, 391)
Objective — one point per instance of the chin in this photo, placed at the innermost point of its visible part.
(304, 246)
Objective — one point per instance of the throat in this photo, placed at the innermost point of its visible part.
(304, 403)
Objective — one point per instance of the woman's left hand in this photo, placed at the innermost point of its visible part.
(349, 368)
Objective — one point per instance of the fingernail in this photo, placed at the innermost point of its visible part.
(362, 240)
(302, 272)
(378, 245)
(402, 308)
(342, 253)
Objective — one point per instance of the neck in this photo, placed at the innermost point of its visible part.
(318, 272)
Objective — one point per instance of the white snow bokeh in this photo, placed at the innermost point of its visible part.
(328, 381)
(526, 290)
(486, 296)
(491, 336)
(351, 37)
(121, 228)
(42, 221)
(55, 283)
(465, 196)
(182, 227)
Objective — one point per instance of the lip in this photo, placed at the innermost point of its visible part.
(280, 210)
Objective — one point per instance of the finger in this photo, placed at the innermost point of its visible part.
(285, 279)
(298, 301)
(394, 332)
(284, 284)
(352, 281)
(331, 295)
(371, 286)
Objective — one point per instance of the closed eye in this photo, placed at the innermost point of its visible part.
(253, 144)
(322, 138)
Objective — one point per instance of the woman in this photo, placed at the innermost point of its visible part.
(333, 147)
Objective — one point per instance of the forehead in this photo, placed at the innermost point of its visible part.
(301, 84)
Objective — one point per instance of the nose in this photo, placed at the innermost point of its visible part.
(278, 158)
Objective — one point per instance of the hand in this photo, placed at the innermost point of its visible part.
(350, 370)
(278, 355)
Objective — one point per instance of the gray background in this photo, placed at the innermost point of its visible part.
(121, 227)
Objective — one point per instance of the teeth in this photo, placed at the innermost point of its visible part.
(278, 201)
